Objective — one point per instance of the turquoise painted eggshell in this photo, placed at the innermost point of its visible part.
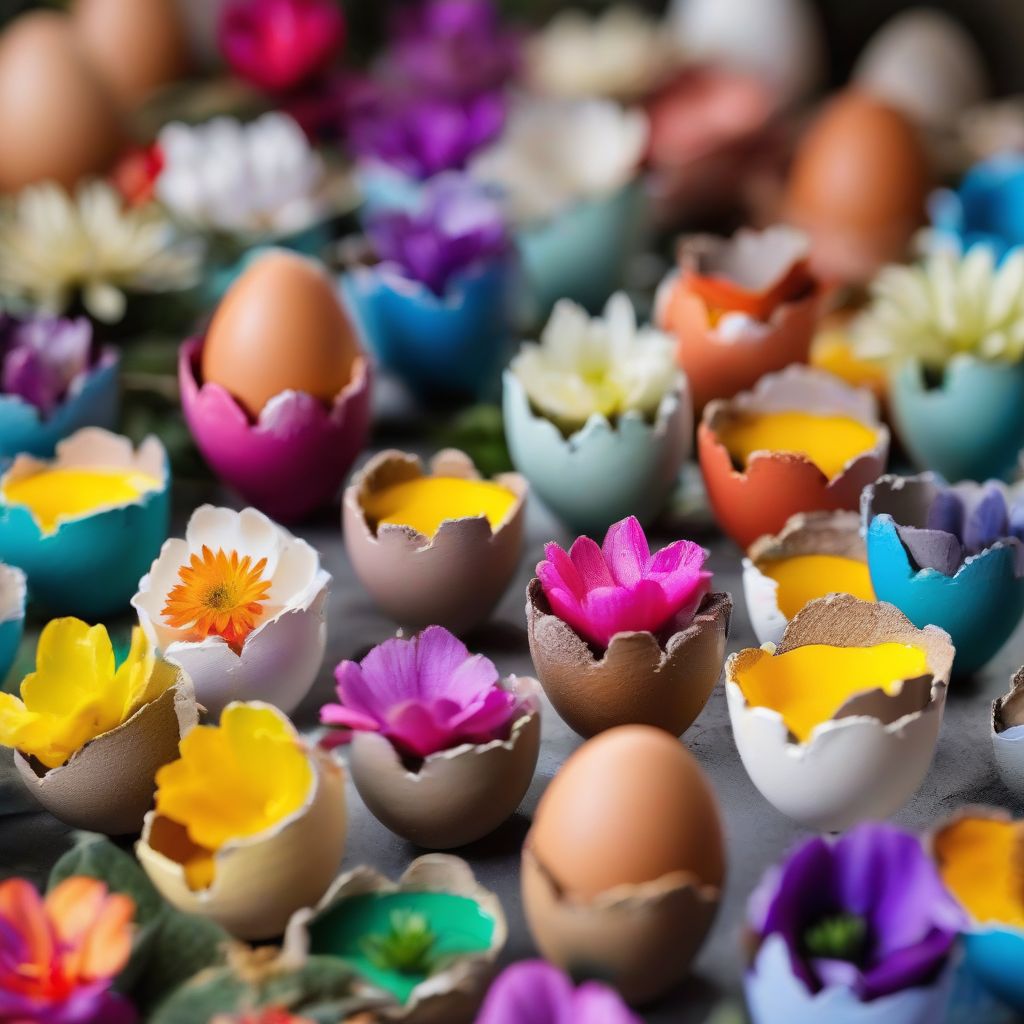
(94, 401)
(995, 956)
(971, 427)
(603, 472)
(90, 566)
(12, 615)
(383, 188)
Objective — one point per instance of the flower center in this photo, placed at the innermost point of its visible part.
(407, 947)
(839, 937)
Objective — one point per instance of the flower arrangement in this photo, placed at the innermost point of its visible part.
(42, 358)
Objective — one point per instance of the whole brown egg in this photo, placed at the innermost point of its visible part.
(58, 119)
(279, 327)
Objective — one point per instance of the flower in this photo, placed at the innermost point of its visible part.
(867, 913)
(55, 246)
(949, 304)
(280, 44)
(43, 358)
(233, 781)
(601, 366)
(258, 178)
(534, 992)
(459, 228)
(60, 953)
(77, 692)
(268, 1015)
(424, 694)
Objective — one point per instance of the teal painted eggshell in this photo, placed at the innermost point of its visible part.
(383, 188)
(995, 956)
(12, 615)
(969, 428)
(603, 472)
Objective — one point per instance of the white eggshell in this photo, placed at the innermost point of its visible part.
(762, 596)
(1008, 748)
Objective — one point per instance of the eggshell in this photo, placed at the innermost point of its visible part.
(280, 327)
(57, 120)
(857, 186)
(603, 472)
(1008, 735)
(872, 755)
(638, 679)
(137, 47)
(453, 579)
(457, 796)
(777, 485)
(453, 994)
(108, 785)
(811, 533)
(259, 881)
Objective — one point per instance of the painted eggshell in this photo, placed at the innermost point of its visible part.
(872, 755)
(94, 402)
(108, 785)
(806, 533)
(13, 592)
(382, 188)
(89, 566)
(638, 679)
(777, 485)
(457, 796)
(971, 427)
(603, 472)
(296, 455)
(453, 579)
(1008, 736)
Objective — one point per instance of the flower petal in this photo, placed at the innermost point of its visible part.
(626, 551)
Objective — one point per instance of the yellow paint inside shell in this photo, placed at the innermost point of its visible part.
(56, 494)
(805, 578)
(830, 442)
(980, 862)
(427, 501)
(808, 685)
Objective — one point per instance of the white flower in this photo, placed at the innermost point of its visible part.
(951, 303)
(258, 178)
(54, 246)
(603, 366)
(556, 153)
(622, 53)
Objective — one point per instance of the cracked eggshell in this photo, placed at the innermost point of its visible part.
(806, 533)
(261, 880)
(107, 786)
(453, 579)
(639, 679)
(452, 995)
(603, 472)
(456, 796)
(13, 595)
(868, 759)
(776, 485)
(90, 565)
(1008, 735)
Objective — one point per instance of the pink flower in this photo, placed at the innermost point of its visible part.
(622, 587)
(279, 44)
(424, 694)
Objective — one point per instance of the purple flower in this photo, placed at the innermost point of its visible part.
(621, 587)
(424, 694)
(534, 992)
(459, 228)
(41, 358)
(868, 912)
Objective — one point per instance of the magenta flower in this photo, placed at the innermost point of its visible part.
(424, 694)
(280, 44)
(534, 992)
(621, 587)
(42, 357)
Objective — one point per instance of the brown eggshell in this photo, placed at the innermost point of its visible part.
(453, 579)
(457, 796)
(813, 533)
(137, 46)
(58, 120)
(637, 680)
(280, 327)
(639, 938)
(108, 785)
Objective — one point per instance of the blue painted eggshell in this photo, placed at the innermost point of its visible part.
(995, 956)
(383, 188)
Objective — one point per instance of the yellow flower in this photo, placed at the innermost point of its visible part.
(76, 692)
(232, 781)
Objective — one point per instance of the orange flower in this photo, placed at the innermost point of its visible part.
(220, 595)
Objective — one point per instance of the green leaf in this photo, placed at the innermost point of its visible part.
(480, 432)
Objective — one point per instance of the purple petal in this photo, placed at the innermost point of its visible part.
(472, 680)
(590, 564)
(531, 992)
(346, 718)
(987, 522)
(905, 968)
(390, 674)
(595, 1003)
(413, 728)
(439, 654)
(356, 693)
(626, 551)
(486, 720)
(946, 512)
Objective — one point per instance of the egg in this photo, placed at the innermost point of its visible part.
(624, 863)
(57, 119)
(136, 47)
(857, 186)
(1007, 729)
(280, 327)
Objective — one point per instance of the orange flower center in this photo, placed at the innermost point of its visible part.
(220, 594)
